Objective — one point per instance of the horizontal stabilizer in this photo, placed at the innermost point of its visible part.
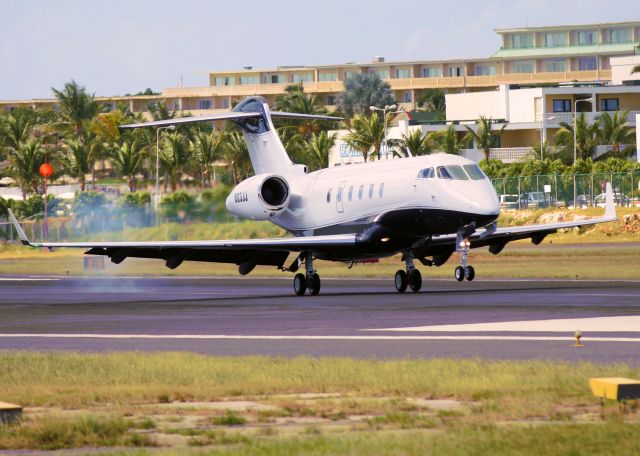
(184, 120)
(295, 115)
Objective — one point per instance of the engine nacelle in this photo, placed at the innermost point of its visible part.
(260, 197)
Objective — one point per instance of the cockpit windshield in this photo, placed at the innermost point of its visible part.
(452, 172)
(474, 172)
(426, 173)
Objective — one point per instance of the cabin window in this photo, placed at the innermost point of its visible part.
(360, 192)
(350, 192)
(474, 172)
(381, 191)
(339, 196)
(427, 173)
(370, 191)
(329, 196)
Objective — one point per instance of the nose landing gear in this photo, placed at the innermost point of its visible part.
(411, 278)
(310, 281)
(463, 271)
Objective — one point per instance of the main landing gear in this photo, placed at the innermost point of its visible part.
(310, 281)
(411, 278)
(463, 271)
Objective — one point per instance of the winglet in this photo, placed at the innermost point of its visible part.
(609, 205)
(21, 233)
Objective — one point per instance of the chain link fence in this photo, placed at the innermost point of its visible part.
(566, 190)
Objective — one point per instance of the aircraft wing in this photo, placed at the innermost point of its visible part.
(266, 251)
(498, 238)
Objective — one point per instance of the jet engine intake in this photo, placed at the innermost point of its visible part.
(260, 197)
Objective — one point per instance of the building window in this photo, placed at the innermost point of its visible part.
(302, 77)
(523, 40)
(277, 79)
(587, 63)
(485, 70)
(557, 39)
(522, 67)
(328, 76)
(609, 104)
(617, 35)
(331, 100)
(430, 72)
(176, 106)
(225, 81)
(249, 80)
(455, 71)
(406, 97)
(403, 73)
(225, 103)
(349, 74)
(370, 191)
(555, 66)
(382, 74)
(561, 105)
(204, 104)
(587, 38)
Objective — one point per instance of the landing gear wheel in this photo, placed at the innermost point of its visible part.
(299, 284)
(469, 273)
(459, 273)
(401, 281)
(415, 280)
(313, 284)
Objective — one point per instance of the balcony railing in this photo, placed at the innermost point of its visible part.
(506, 154)
(553, 119)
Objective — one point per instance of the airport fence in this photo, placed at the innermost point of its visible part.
(566, 190)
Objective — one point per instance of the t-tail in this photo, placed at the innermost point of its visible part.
(266, 150)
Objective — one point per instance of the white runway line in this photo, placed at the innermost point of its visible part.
(318, 338)
(629, 323)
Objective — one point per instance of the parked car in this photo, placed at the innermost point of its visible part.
(620, 199)
(508, 202)
(534, 200)
(583, 201)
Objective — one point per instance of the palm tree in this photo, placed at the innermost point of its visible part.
(362, 91)
(365, 135)
(636, 69)
(318, 149)
(587, 137)
(295, 100)
(415, 143)
(450, 142)
(15, 129)
(205, 147)
(615, 131)
(128, 159)
(484, 135)
(236, 155)
(175, 158)
(433, 100)
(76, 106)
(25, 162)
(77, 161)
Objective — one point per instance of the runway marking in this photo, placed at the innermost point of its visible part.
(303, 337)
(596, 324)
(28, 279)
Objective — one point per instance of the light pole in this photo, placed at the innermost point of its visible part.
(157, 192)
(575, 127)
(542, 134)
(384, 110)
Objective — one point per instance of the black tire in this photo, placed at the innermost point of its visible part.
(313, 284)
(469, 273)
(415, 280)
(400, 281)
(299, 284)
(459, 273)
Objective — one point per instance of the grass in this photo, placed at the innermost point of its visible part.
(376, 406)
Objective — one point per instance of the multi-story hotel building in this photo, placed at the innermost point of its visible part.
(532, 56)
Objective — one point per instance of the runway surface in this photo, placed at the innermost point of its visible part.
(508, 319)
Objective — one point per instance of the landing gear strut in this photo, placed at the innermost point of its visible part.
(463, 271)
(411, 278)
(311, 281)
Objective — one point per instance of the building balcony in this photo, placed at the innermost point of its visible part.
(505, 154)
(553, 119)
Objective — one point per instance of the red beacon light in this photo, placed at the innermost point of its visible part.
(46, 170)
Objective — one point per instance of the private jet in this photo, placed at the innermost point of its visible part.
(425, 208)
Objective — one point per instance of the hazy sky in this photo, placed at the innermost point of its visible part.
(118, 46)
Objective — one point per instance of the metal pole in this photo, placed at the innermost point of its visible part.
(386, 151)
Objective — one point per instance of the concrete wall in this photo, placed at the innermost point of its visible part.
(470, 106)
(522, 105)
(621, 69)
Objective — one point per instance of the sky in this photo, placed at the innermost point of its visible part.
(113, 47)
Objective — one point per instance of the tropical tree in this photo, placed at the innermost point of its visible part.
(318, 149)
(25, 162)
(236, 155)
(362, 91)
(587, 137)
(159, 111)
(176, 158)
(77, 106)
(295, 100)
(15, 129)
(128, 159)
(484, 135)
(615, 131)
(77, 161)
(365, 135)
(205, 147)
(450, 142)
(636, 69)
(433, 100)
(416, 143)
